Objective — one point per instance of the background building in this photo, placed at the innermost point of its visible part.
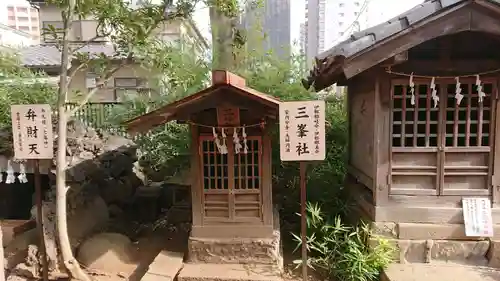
(13, 38)
(19, 15)
(274, 18)
(328, 22)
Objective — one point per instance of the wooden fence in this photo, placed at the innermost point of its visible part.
(96, 115)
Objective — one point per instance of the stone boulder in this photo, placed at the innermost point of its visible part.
(107, 252)
(101, 172)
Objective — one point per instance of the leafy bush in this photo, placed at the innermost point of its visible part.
(344, 252)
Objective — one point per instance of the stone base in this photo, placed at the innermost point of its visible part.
(228, 272)
(240, 251)
(429, 243)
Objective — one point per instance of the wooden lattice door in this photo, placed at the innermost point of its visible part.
(444, 149)
(232, 185)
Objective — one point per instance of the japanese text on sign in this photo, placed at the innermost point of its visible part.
(302, 131)
(32, 131)
(477, 217)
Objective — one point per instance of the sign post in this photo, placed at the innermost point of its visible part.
(33, 140)
(302, 139)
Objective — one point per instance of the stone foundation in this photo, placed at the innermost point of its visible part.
(267, 251)
(428, 243)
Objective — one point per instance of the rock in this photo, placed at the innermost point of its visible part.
(17, 250)
(114, 211)
(87, 220)
(106, 252)
(494, 254)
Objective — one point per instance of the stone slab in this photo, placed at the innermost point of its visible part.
(165, 267)
(423, 231)
(228, 272)
(439, 272)
(241, 250)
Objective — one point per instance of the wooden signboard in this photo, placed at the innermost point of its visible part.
(228, 116)
(302, 131)
(32, 131)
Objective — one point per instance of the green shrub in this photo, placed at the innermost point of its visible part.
(342, 252)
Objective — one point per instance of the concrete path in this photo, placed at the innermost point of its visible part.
(439, 272)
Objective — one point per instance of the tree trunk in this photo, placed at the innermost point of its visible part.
(69, 260)
(2, 258)
(222, 40)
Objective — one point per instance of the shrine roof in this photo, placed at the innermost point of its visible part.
(222, 81)
(335, 64)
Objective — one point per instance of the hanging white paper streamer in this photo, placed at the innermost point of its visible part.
(412, 90)
(236, 140)
(245, 145)
(434, 95)
(458, 91)
(480, 93)
(217, 141)
(10, 173)
(223, 146)
(22, 173)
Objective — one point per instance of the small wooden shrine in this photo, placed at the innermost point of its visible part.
(230, 157)
(423, 120)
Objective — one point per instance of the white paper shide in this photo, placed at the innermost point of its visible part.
(302, 131)
(32, 131)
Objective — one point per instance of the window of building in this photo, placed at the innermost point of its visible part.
(126, 86)
(341, 23)
(10, 9)
(12, 18)
(24, 28)
(341, 14)
(22, 18)
(356, 13)
(341, 5)
(22, 9)
(356, 4)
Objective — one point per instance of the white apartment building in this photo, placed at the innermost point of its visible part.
(329, 22)
(19, 15)
(10, 37)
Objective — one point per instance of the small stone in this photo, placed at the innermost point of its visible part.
(494, 254)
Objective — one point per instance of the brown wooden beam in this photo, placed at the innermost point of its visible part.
(431, 67)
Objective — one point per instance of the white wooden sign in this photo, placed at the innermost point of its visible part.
(32, 131)
(477, 217)
(302, 131)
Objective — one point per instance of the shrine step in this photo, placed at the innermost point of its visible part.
(165, 266)
(439, 272)
(228, 272)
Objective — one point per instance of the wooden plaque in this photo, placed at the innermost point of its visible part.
(228, 116)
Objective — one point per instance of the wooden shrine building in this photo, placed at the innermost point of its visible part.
(424, 119)
(230, 169)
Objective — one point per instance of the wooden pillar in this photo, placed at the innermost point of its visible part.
(495, 126)
(382, 139)
(196, 178)
(267, 188)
